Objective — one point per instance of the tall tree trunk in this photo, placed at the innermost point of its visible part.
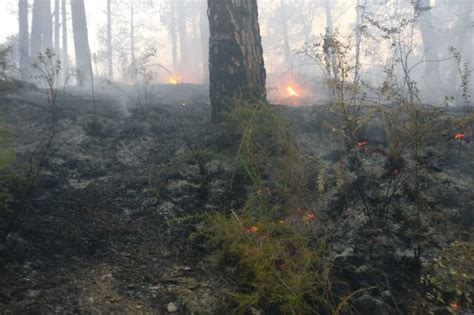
(133, 69)
(330, 35)
(237, 69)
(329, 23)
(183, 35)
(360, 11)
(41, 28)
(110, 67)
(204, 25)
(430, 47)
(463, 31)
(284, 30)
(173, 35)
(57, 24)
(81, 43)
(65, 57)
(23, 39)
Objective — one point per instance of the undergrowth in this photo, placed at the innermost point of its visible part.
(281, 267)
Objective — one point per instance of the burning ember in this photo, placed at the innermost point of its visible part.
(291, 91)
(174, 79)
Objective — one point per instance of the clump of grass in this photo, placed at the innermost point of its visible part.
(277, 268)
(280, 267)
(7, 160)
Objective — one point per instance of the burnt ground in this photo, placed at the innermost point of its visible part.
(96, 237)
(104, 230)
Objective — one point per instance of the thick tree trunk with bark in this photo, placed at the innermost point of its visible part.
(237, 70)
(41, 28)
(81, 43)
(23, 38)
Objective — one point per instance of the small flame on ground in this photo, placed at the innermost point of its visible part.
(291, 91)
(174, 80)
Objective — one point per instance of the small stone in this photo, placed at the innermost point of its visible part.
(255, 311)
(33, 293)
(171, 308)
(150, 202)
(387, 295)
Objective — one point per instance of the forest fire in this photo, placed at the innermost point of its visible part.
(174, 80)
(291, 91)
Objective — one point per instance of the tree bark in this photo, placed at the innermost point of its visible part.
(81, 43)
(237, 70)
(23, 39)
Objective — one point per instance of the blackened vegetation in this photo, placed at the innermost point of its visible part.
(116, 218)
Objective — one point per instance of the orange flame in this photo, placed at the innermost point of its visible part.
(291, 91)
(174, 79)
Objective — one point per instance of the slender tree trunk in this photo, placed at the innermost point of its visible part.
(237, 69)
(65, 58)
(430, 47)
(204, 25)
(57, 27)
(360, 11)
(110, 67)
(41, 28)
(36, 36)
(194, 43)
(81, 43)
(307, 18)
(329, 23)
(23, 39)
(284, 29)
(183, 36)
(463, 30)
(173, 34)
(132, 42)
(47, 24)
(330, 34)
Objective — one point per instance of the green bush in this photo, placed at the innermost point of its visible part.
(449, 278)
(277, 267)
(7, 160)
(280, 268)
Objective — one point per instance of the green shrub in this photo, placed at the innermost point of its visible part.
(449, 278)
(280, 268)
(7, 160)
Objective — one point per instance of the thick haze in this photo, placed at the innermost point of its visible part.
(449, 20)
